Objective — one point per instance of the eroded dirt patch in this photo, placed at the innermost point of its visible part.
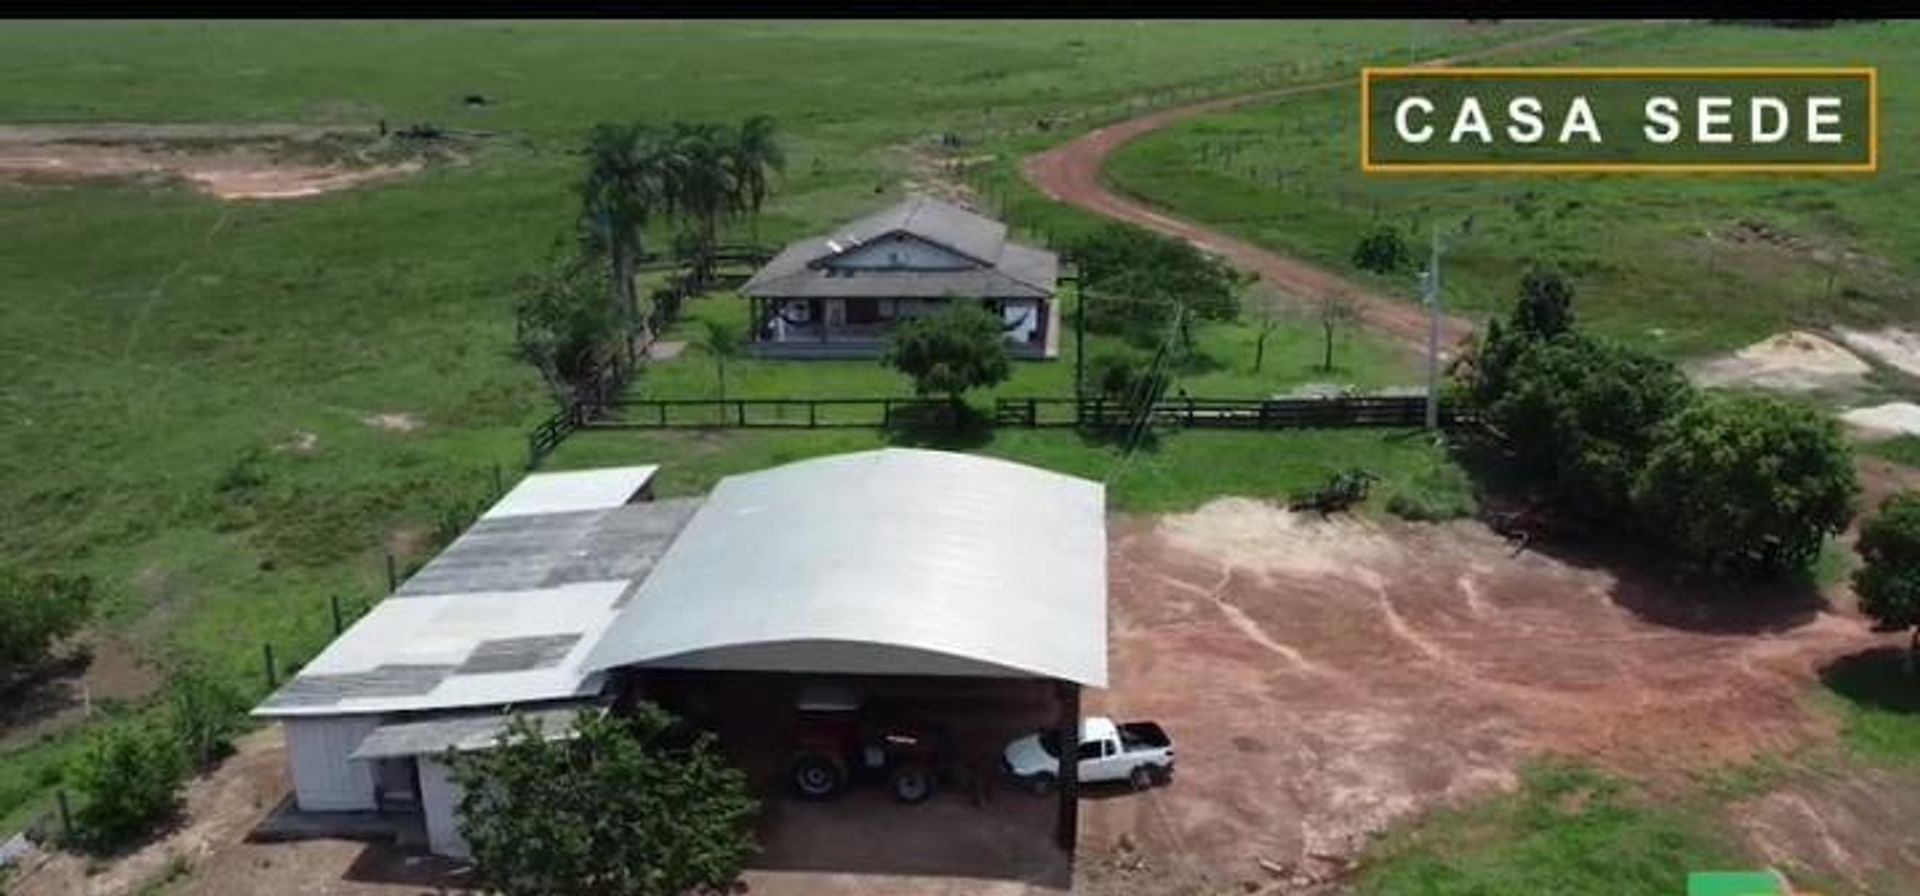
(1796, 361)
(1892, 346)
(1841, 828)
(1900, 418)
(393, 421)
(229, 162)
(1323, 679)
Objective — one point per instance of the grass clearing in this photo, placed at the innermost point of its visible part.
(1221, 365)
(1174, 472)
(1683, 265)
(1879, 706)
(1903, 450)
(1569, 831)
(191, 381)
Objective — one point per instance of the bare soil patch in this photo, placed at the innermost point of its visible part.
(1326, 678)
(227, 161)
(395, 421)
(1795, 361)
(1900, 418)
(97, 668)
(1892, 346)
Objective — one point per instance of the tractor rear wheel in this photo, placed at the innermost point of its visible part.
(818, 776)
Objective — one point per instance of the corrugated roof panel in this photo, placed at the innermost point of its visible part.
(903, 558)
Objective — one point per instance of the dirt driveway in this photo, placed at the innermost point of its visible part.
(1324, 678)
(1070, 173)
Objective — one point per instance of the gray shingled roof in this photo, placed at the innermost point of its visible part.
(514, 553)
(1010, 270)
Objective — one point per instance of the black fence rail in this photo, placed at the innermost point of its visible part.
(1218, 413)
(771, 413)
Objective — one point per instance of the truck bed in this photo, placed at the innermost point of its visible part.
(1143, 736)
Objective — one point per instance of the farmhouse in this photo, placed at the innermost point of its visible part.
(926, 576)
(840, 294)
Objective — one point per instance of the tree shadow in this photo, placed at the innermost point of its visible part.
(391, 865)
(1648, 581)
(1875, 677)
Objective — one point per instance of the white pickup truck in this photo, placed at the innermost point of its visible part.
(1137, 752)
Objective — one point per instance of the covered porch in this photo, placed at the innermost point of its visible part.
(860, 327)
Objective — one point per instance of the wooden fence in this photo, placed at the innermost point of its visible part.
(1094, 413)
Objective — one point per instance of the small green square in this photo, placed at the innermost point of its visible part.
(1733, 883)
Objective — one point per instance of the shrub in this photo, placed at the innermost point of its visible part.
(128, 776)
(205, 711)
(951, 352)
(1128, 377)
(1749, 484)
(35, 612)
(1545, 309)
(1888, 580)
(624, 807)
(1383, 251)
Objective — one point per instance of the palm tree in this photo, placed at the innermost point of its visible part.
(700, 187)
(624, 188)
(756, 153)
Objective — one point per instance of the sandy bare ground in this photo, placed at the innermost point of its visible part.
(1899, 418)
(1324, 679)
(1795, 361)
(1070, 173)
(225, 161)
(1892, 346)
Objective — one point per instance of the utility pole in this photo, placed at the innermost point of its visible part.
(1430, 294)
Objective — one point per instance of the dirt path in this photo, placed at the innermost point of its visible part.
(1070, 173)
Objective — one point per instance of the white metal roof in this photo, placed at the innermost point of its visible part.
(464, 731)
(894, 561)
(504, 615)
(572, 491)
(456, 650)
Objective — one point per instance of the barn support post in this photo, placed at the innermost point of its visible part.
(1068, 832)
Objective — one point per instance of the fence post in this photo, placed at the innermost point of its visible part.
(273, 674)
(740, 406)
(393, 574)
(886, 413)
(335, 601)
(812, 418)
(499, 480)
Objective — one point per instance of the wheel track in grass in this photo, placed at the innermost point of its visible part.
(1071, 173)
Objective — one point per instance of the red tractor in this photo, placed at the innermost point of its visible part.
(840, 738)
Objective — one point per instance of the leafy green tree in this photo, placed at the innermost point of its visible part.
(562, 327)
(128, 776)
(948, 353)
(1545, 309)
(1137, 282)
(1748, 484)
(1129, 377)
(1382, 251)
(206, 712)
(36, 612)
(1888, 580)
(1580, 416)
(623, 807)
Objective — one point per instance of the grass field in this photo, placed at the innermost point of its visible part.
(194, 388)
(1683, 264)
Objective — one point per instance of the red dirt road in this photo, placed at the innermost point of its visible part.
(1070, 173)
